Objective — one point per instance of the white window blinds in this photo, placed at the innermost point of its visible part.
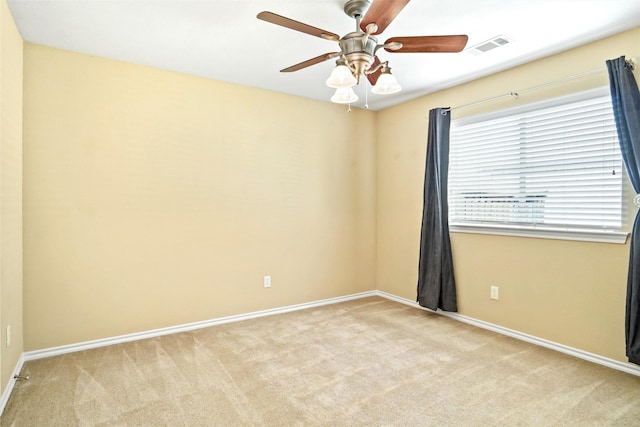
(555, 165)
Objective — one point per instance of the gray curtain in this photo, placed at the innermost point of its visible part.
(436, 283)
(626, 109)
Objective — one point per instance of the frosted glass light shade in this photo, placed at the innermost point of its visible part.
(341, 76)
(344, 95)
(386, 85)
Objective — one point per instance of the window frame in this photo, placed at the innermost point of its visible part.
(605, 235)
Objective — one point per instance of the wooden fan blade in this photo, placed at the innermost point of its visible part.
(373, 77)
(298, 26)
(381, 13)
(429, 43)
(309, 62)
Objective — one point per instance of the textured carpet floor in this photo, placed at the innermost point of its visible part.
(367, 362)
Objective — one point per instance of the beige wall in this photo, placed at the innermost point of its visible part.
(564, 291)
(153, 199)
(10, 194)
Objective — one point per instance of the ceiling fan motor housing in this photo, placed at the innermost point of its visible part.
(359, 51)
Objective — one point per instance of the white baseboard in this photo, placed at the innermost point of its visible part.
(12, 382)
(87, 345)
(580, 354)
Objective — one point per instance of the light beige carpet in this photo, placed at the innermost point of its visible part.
(367, 362)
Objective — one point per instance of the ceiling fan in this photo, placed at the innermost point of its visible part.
(357, 55)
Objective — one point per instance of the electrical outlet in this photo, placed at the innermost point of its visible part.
(495, 292)
(8, 335)
(267, 281)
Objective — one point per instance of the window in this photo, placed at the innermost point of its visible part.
(550, 169)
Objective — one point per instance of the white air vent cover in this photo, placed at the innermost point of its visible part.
(486, 46)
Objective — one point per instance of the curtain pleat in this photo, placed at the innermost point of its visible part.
(625, 98)
(436, 282)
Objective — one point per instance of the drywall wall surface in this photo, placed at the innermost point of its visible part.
(10, 195)
(569, 292)
(154, 199)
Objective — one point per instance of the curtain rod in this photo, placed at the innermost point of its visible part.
(632, 62)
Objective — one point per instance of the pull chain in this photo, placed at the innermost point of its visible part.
(366, 94)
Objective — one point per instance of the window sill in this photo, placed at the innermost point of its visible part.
(584, 235)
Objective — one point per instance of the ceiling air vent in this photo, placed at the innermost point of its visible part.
(488, 45)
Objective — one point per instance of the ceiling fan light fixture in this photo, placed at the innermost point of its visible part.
(341, 76)
(344, 95)
(387, 83)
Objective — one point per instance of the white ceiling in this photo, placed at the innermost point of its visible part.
(223, 39)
